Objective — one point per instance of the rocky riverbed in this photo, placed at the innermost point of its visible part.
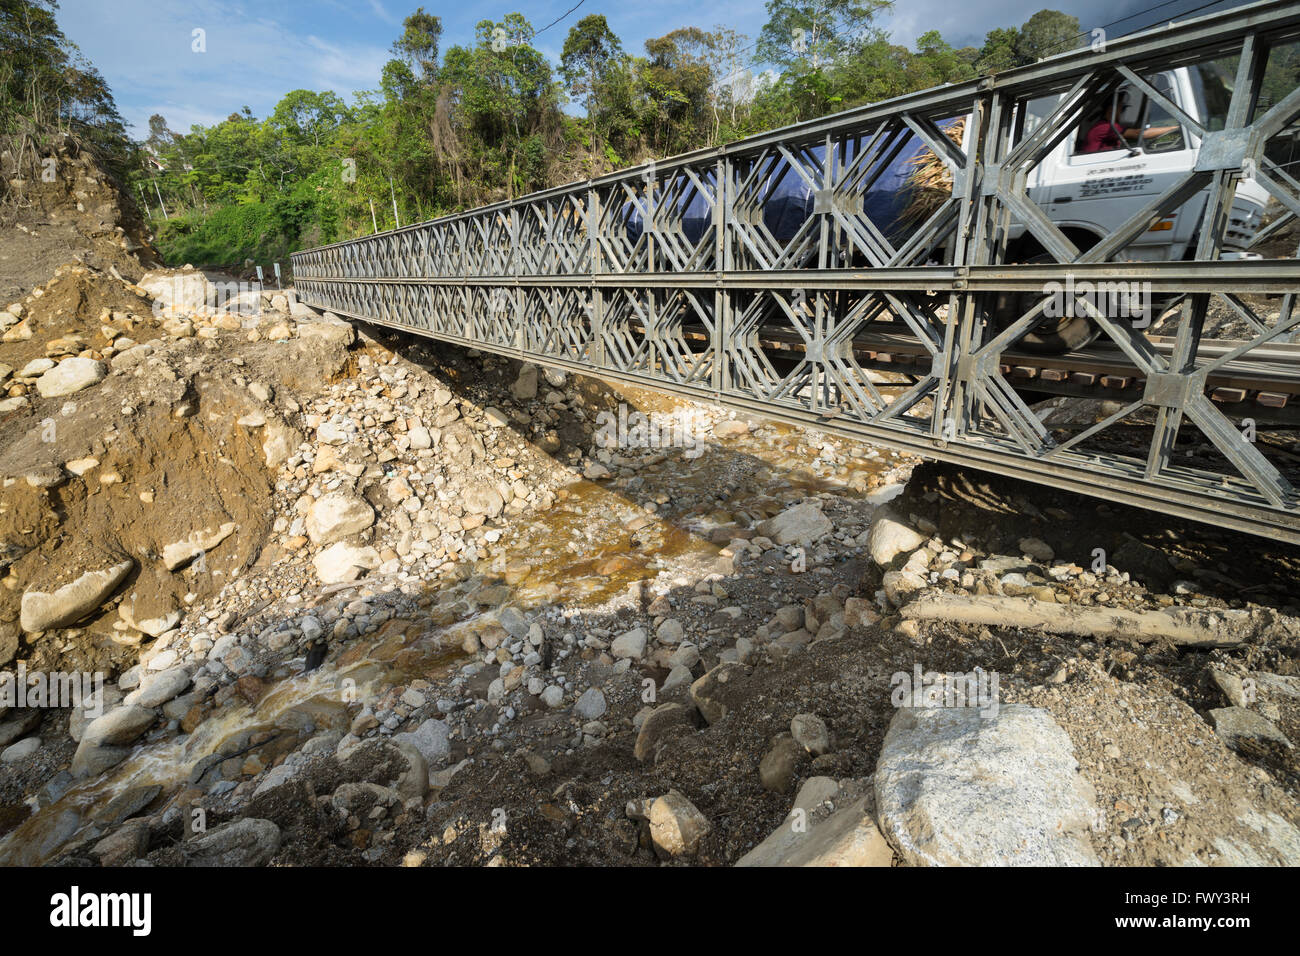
(365, 599)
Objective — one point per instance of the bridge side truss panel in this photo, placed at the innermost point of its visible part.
(752, 275)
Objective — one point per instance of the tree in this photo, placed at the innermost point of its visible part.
(417, 47)
(678, 81)
(1046, 33)
(999, 50)
(44, 79)
(160, 137)
(590, 50)
(308, 117)
(809, 34)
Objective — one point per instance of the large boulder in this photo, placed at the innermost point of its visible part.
(659, 724)
(630, 644)
(42, 610)
(92, 759)
(342, 562)
(525, 387)
(431, 739)
(69, 376)
(337, 514)
(714, 694)
(119, 726)
(247, 842)
(157, 689)
(954, 788)
(803, 524)
(848, 836)
(889, 537)
(482, 500)
(177, 293)
(676, 825)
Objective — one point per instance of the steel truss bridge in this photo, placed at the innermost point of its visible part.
(798, 329)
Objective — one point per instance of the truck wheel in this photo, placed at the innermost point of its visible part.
(1051, 336)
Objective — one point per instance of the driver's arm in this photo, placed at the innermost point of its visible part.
(1150, 133)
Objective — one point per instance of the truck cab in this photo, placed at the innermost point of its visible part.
(1090, 186)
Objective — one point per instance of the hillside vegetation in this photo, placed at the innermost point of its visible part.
(453, 127)
(450, 127)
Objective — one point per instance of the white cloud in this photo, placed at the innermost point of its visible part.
(383, 14)
(145, 53)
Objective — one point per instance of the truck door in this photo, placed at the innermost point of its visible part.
(1125, 153)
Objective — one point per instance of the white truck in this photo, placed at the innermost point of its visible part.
(1088, 192)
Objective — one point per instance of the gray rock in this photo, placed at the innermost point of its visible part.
(279, 776)
(1243, 729)
(847, 837)
(710, 693)
(658, 725)
(431, 739)
(525, 387)
(128, 842)
(18, 723)
(247, 842)
(670, 632)
(809, 731)
(514, 622)
(21, 750)
(482, 499)
(776, 770)
(676, 826)
(1037, 548)
(686, 656)
(677, 677)
(119, 726)
(553, 696)
(413, 783)
(92, 759)
(342, 562)
(591, 704)
(127, 804)
(337, 514)
(957, 789)
(1231, 685)
(157, 689)
(803, 524)
(900, 585)
(630, 644)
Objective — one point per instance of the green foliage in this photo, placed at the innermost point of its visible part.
(590, 52)
(809, 34)
(46, 86)
(1047, 33)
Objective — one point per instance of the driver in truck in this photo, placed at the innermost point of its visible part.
(1106, 133)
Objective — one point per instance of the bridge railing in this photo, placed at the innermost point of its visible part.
(751, 274)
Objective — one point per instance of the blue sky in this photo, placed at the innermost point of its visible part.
(258, 51)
